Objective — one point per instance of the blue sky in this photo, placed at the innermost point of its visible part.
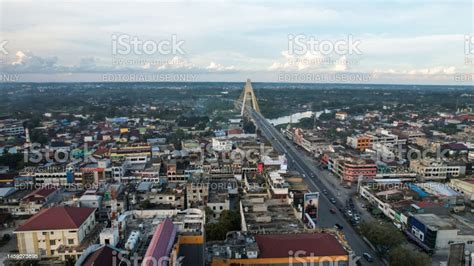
(420, 42)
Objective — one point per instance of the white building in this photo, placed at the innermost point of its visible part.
(221, 144)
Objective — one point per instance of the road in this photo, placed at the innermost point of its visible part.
(300, 162)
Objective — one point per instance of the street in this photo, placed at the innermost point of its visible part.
(300, 162)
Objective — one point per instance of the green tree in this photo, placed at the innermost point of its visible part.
(383, 235)
(248, 126)
(403, 255)
(228, 221)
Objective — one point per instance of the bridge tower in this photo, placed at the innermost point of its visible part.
(248, 97)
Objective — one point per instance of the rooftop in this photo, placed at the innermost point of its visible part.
(57, 218)
(318, 244)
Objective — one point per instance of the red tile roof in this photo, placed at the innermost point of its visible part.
(40, 193)
(279, 245)
(57, 218)
(102, 256)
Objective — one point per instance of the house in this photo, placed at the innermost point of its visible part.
(34, 201)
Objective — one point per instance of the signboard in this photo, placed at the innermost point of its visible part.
(310, 206)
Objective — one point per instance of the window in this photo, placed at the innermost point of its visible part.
(52, 242)
(70, 241)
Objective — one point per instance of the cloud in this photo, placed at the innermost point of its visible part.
(27, 62)
(218, 67)
(433, 71)
(310, 61)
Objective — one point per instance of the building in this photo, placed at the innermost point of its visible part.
(283, 249)
(348, 167)
(436, 233)
(360, 142)
(158, 252)
(11, 127)
(341, 115)
(465, 187)
(58, 232)
(428, 169)
(221, 144)
(34, 201)
(131, 150)
(366, 140)
(197, 193)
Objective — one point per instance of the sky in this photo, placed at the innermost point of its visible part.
(396, 42)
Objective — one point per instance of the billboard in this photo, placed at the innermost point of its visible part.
(310, 206)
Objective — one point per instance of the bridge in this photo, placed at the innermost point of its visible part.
(313, 176)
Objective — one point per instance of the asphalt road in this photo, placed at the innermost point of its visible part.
(300, 162)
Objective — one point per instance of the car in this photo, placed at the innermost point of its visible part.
(325, 191)
(333, 211)
(338, 226)
(332, 200)
(368, 257)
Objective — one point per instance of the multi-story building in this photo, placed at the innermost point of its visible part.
(197, 193)
(58, 232)
(437, 233)
(348, 167)
(366, 140)
(428, 169)
(465, 187)
(360, 142)
(11, 127)
(130, 150)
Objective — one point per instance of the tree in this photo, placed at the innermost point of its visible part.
(403, 255)
(228, 221)
(248, 126)
(384, 235)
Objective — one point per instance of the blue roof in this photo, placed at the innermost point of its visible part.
(418, 190)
